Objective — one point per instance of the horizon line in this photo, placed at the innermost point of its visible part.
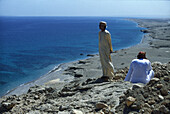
(84, 16)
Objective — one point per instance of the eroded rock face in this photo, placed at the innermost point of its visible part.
(152, 98)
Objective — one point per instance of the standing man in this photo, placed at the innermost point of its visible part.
(105, 48)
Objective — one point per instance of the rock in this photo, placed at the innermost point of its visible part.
(52, 81)
(164, 110)
(145, 111)
(159, 86)
(2, 108)
(145, 95)
(105, 78)
(74, 111)
(31, 100)
(130, 100)
(78, 75)
(164, 92)
(151, 102)
(122, 63)
(82, 62)
(81, 54)
(147, 105)
(154, 80)
(65, 94)
(118, 76)
(90, 55)
(45, 107)
(101, 105)
(73, 68)
(101, 112)
(145, 31)
(161, 97)
(8, 105)
(166, 103)
(166, 78)
(49, 89)
(62, 108)
(135, 86)
(41, 90)
(89, 80)
(136, 107)
(156, 63)
(155, 111)
(83, 88)
(107, 111)
(36, 97)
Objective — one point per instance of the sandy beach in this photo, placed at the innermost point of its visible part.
(84, 75)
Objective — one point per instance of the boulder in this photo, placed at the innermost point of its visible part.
(139, 85)
(147, 105)
(130, 100)
(155, 111)
(164, 110)
(151, 102)
(164, 92)
(166, 78)
(101, 105)
(161, 97)
(159, 86)
(6, 106)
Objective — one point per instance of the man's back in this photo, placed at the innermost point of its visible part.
(139, 71)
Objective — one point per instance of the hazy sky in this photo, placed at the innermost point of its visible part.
(131, 8)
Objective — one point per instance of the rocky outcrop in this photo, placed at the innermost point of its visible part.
(153, 98)
(96, 96)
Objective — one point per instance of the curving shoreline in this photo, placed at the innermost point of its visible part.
(120, 58)
(77, 87)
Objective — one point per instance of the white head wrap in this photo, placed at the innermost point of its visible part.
(103, 22)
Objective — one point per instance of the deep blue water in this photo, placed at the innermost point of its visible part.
(31, 46)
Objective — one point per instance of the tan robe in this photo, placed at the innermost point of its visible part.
(105, 46)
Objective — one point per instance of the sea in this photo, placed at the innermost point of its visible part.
(32, 46)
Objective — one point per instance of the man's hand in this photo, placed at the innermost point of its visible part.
(111, 51)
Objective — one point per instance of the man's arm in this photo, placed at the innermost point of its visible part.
(110, 42)
(128, 76)
(150, 71)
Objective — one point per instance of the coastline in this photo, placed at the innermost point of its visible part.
(57, 70)
(121, 59)
(88, 93)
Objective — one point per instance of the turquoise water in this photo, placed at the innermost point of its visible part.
(31, 46)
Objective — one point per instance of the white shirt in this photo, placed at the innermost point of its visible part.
(140, 71)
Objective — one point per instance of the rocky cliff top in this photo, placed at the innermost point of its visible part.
(96, 96)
